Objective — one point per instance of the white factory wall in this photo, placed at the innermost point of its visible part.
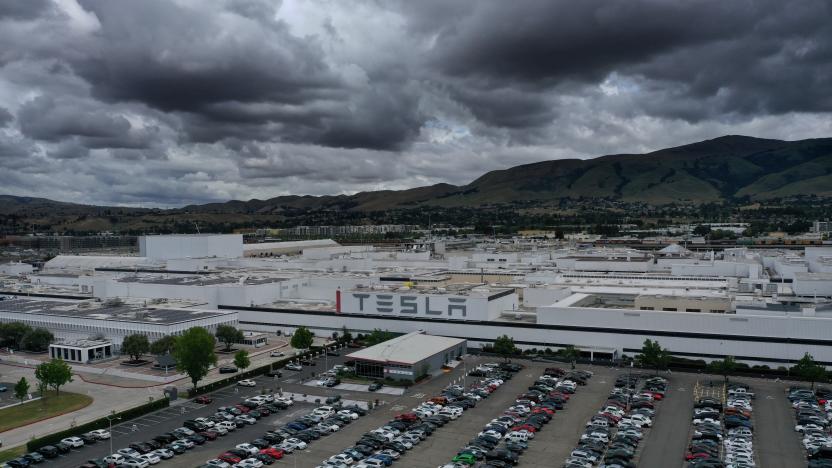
(810, 285)
(76, 328)
(210, 294)
(532, 336)
(417, 304)
(536, 297)
(193, 246)
(787, 267)
(717, 268)
(812, 253)
(607, 265)
(16, 268)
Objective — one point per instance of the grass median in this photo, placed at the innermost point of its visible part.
(47, 407)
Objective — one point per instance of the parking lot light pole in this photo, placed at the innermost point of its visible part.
(110, 419)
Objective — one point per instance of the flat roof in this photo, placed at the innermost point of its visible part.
(83, 343)
(201, 280)
(116, 313)
(410, 349)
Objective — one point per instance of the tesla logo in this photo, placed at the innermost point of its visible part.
(412, 305)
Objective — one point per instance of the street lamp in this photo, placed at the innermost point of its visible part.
(110, 420)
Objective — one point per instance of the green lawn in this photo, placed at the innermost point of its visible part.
(47, 407)
(11, 453)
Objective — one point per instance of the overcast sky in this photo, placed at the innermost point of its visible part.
(165, 103)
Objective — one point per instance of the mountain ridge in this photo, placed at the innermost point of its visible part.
(719, 169)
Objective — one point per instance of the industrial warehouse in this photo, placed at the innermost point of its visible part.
(760, 306)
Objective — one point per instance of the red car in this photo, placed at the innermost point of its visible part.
(203, 399)
(230, 458)
(565, 396)
(407, 417)
(210, 435)
(243, 408)
(277, 454)
(548, 411)
(525, 427)
(691, 456)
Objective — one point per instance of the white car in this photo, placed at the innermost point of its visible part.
(297, 444)
(227, 425)
(293, 366)
(207, 422)
(150, 457)
(128, 452)
(135, 463)
(249, 463)
(276, 354)
(100, 434)
(247, 383)
(220, 430)
(370, 463)
(246, 419)
(218, 463)
(349, 414)
(251, 449)
(164, 453)
(341, 458)
(808, 427)
(73, 442)
(284, 400)
(116, 459)
(407, 443)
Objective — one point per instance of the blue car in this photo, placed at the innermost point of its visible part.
(297, 426)
(386, 459)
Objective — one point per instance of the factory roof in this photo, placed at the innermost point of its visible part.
(291, 245)
(202, 280)
(109, 313)
(410, 349)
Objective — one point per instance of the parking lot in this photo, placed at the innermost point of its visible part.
(664, 445)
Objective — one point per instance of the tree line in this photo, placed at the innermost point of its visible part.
(19, 336)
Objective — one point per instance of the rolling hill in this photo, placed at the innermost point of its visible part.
(721, 169)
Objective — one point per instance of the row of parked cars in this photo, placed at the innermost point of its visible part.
(723, 435)
(48, 452)
(503, 440)
(384, 445)
(813, 413)
(612, 436)
(294, 435)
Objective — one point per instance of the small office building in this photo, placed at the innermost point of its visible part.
(408, 357)
(81, 351)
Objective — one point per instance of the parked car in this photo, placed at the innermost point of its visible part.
(228, 370)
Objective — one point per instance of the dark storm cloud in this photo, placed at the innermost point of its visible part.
(6, 117)
(24, 9)
(167, 101)
(242, 67)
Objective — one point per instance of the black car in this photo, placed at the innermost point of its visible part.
(88, 439)
(141, 447)
(165, 438)
(18, 463)
(48, 451)
(260, 443)
(197, 439)
(356, 409)
(34, 458)
(228, 370)
(62, 447)
(374, 386)
(333, 399)
(267, 460)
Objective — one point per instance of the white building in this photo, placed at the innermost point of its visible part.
(191, 246)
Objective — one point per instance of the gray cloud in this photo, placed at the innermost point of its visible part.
(167, 102)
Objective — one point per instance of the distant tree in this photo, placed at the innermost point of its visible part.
(229, 335)
(163, 345)
(504, 346)
(54, 373)
(808, 369)
(702, 230)
(345, 334)
(37, 340)
(302, 338)
(378, 336)
(723, 366)
(21, 389)
(11, 334)
(570, 353)
(653, 355)
(241, 359)
(194, 353)
(135, 346)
